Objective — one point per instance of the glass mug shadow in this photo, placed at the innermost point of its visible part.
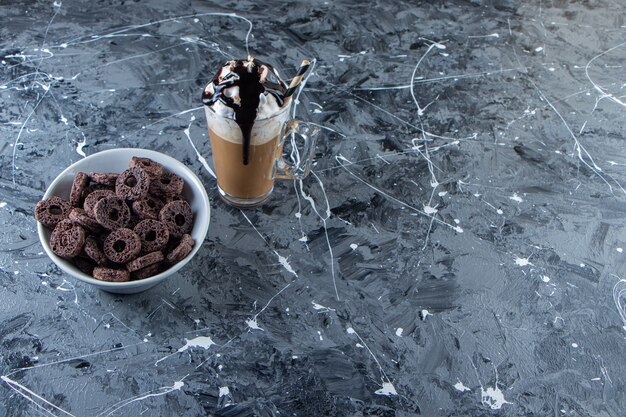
(249, 185)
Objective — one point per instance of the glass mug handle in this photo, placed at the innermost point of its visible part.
(302, 158)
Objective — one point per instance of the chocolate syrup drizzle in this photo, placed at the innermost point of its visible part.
(245, 74)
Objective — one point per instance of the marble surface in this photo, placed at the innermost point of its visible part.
(457, 251)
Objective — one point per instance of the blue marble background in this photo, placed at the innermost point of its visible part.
(457, 251)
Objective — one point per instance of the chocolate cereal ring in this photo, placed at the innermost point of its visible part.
(181, 251)
(145, 261)
(67, 239)
(132, 184)
(107, 179)
(80, 216)
(84, 264)
(147, 272)
(174, 198)
(152, 168)
(93, 251)
(112, 213)
(95, 187)
(64, 225)
(167, 185)
(110, 274)
(178, 217)
(51, 211)
(81, 180)
(93, 197)
(188, 240)
(122, 246)
(154, 235)
(148, 208)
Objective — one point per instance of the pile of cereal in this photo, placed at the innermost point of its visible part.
(121, 227)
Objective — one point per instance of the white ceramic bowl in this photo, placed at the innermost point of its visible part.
(117, 160)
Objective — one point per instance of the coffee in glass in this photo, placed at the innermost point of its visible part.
(247, 112)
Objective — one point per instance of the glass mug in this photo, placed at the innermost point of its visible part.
(252, 184)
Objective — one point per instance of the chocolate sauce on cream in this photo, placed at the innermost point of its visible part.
(253, 78)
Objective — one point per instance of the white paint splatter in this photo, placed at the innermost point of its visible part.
(574, 345)
(343, 158)
(323, 218)
(156, 393)
(304, 239)
(539, 49)
(517, 198)
(492, 35)
(201, 158)
(64, 119)
(493, 397)
(387, 389)
(253, 324)
(424, 313)
(399, 331)
(353, 246)
(522, 261)
(33, 397)
(430, 210)
(224, 391)
(3, 204)
(620, 250)
(203, 342)
(320, 335)
(283, 261)
(442, 193)
(317, 306)
(545, 278)
(499, 211)
(81, 145)
(459, 386)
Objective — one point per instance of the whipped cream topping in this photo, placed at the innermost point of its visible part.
(246, 91)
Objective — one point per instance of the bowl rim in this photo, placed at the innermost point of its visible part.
(144, 153)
